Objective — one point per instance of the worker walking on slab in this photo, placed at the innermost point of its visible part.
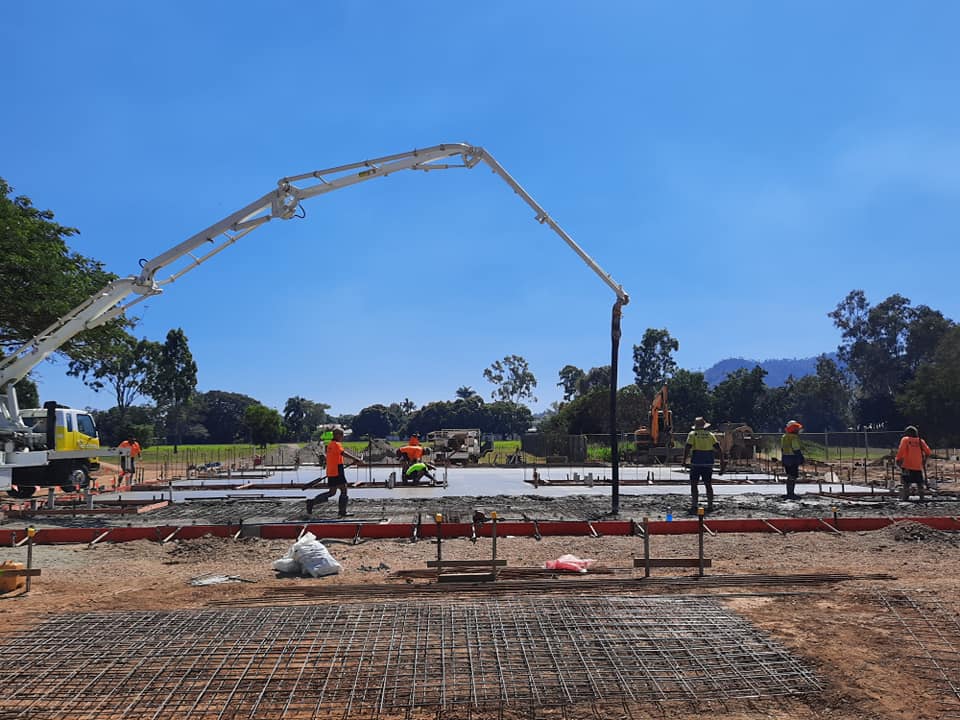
(336, 476)
(700, 451)
(912, 459)
(791, 455)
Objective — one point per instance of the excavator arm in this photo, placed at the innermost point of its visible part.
(283, 203)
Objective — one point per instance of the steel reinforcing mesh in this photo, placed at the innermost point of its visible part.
(363, 659)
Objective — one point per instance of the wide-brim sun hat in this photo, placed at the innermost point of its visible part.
(700, 424)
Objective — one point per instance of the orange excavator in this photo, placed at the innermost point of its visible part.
(654, 441)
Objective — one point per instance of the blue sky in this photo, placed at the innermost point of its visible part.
(737, 167)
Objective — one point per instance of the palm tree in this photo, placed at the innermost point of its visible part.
(294, 414)
(464, 392)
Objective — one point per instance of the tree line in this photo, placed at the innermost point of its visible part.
(899, 364)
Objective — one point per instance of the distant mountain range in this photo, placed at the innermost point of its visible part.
(777, 370)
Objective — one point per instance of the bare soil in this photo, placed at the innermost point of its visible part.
(856, 647)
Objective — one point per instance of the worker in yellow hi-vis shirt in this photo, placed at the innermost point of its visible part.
(791, 455)
(699, 453)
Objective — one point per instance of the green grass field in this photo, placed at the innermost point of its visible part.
(210, 453)
(244, 452)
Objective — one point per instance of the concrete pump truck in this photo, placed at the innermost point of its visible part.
(59, 446)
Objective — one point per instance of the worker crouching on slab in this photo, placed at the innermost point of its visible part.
(791, 455)
(336, 476)
(409, 454)
(912, 459)
(416, 472)
(699, 453)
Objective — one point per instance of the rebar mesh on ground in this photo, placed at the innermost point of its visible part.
(373, 659)
(932, 636)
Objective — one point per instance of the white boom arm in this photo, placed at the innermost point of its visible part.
(282, 203)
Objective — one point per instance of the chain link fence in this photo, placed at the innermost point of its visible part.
(855, 457)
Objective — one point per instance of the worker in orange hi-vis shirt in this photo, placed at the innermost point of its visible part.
(912, 459)
(409, 454)
(129, 464)
(336, 476)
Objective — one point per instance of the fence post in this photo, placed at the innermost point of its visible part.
(866, 457)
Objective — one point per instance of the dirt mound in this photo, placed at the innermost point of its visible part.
(909, 531)
(206, 547)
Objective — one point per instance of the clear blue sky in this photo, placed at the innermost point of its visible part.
(738, 167)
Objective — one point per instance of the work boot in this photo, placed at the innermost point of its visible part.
(343, 504)
(692, 510)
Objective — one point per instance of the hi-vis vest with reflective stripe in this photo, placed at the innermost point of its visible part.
(701, 443)
(790, 444)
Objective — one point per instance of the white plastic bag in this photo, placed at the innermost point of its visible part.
(286, 565)
(314, 557)
(308, 555)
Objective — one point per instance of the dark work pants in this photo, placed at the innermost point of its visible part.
(793, 473)
(338, 483)
(698, 475)
(911, 477)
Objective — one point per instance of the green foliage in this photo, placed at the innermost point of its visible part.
(932, 398)
(498, 417)
(27, 394)
(222, 414)
(376, 421)
(301, 417)
(465, 391)
(884, 346)
(653, 362)
(821, 402)
(738, 398)
(570, 378)
(138, 420)
(689, 397)
(590, 413)
(596, 378)
(264, 424)
(44, 280)
(172, 380)
(124, 366)
(513, 379)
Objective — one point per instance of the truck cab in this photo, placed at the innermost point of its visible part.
(73, 429)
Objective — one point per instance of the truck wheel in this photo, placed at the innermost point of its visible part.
(78, 479)
(22, 492)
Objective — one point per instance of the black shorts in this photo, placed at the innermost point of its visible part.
(337, 480)
(914, 477)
